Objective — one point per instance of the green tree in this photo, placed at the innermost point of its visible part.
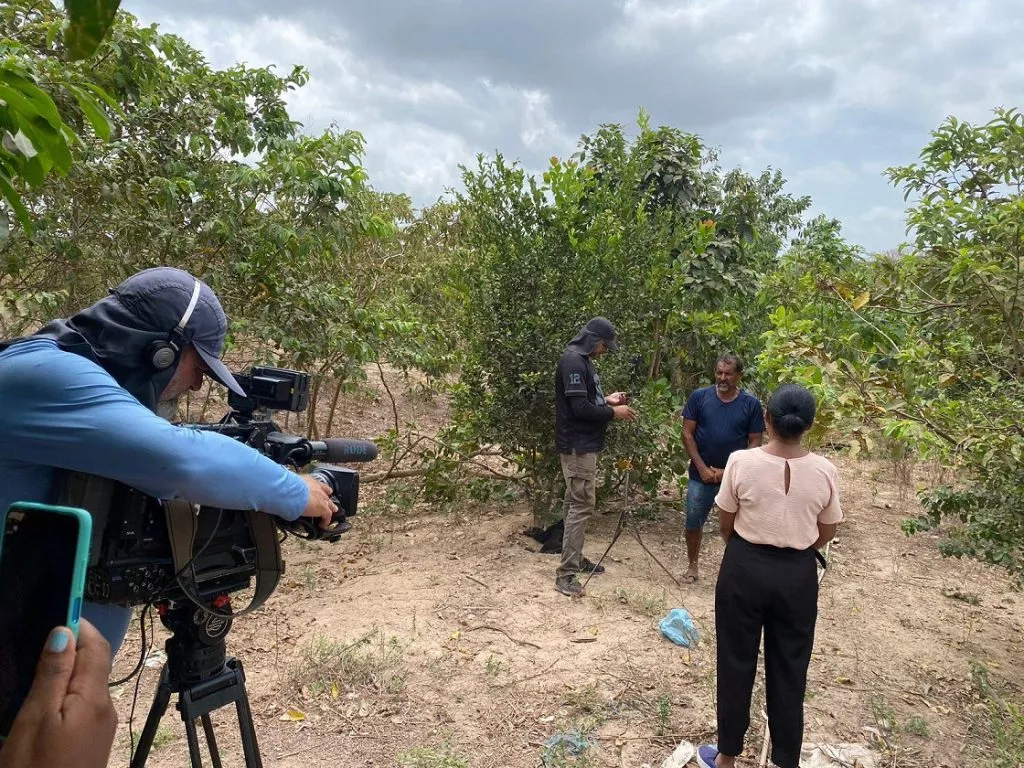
(966, 286)
(648, 232)
(926, 344)
(36, 136)
(206, 170)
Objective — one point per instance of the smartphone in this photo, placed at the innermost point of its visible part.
(44, 553)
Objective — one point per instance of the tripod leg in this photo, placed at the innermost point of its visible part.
(193, 744)
(211, 740)
(248, 728)
(156, 711)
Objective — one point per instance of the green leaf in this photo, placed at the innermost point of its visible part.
(16, 101)
(97, 117)
(48, 141)
(88, 23)
(51, 34)
(105, 97)
(35, 170)
(41, 103)
(13, 199)
(19, 144)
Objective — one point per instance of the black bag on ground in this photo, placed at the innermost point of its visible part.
(550, 537)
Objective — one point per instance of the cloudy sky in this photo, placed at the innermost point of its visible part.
(830, 91)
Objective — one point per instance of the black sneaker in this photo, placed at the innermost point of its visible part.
(588, 567)
(569, 585)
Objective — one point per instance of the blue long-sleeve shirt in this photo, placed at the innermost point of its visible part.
(59, 410)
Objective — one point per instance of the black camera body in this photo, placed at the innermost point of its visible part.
(132, 558)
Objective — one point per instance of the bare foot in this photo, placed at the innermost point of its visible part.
(691, 576)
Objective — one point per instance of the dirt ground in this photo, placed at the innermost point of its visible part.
(437, 641)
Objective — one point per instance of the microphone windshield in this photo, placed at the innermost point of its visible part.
(343, 450)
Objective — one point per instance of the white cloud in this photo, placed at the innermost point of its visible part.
(829, 92)
(881, 214)
(420, 161)
(829, 173)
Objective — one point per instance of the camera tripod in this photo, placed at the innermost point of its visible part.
(205, 679)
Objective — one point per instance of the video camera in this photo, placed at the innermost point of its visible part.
(148, 551)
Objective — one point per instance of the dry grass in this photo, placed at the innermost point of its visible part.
(372, 664)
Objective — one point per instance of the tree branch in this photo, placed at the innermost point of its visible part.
(864, 320)
(922, 420)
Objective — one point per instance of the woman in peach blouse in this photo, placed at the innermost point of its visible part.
(778, 505)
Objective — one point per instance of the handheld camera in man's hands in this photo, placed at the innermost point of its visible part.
(142, 553)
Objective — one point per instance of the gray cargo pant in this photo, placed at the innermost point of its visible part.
(579, 471)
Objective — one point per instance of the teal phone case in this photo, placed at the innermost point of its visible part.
(81, 551)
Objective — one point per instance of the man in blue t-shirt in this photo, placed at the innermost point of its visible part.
(717, 420)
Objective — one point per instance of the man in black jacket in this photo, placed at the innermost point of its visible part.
(582, 413)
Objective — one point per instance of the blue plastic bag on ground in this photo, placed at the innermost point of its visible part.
(561, 745)
(678, 627)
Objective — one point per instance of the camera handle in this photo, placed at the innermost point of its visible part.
(181, 531)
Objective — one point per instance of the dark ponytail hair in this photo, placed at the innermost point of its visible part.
(792, 410)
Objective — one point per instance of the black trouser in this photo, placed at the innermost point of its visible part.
(775, 589)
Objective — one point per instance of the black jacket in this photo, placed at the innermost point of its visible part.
(581, 414)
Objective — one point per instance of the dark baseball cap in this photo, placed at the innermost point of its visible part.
(604, 330)
(163, 299)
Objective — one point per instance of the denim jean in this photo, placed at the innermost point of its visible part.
(699, 499)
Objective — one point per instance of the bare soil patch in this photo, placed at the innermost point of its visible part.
(422, 638)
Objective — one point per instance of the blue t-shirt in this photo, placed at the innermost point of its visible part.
(722, 427)
(61, 410)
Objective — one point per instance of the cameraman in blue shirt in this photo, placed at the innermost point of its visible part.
(84, 394)
(717, 420)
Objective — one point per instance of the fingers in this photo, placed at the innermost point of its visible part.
(322, 491)
(319, 504)
(92, 661)
(326, 501)
(326, 516)
(53, 673)
(88, 694)
(328, 519)
(323, 505)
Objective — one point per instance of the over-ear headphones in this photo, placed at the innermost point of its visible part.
(164, 354)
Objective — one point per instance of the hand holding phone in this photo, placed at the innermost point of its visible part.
(618, 398)
(68, 719)
(44, 553)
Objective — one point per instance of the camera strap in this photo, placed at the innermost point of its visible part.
(182, 525)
